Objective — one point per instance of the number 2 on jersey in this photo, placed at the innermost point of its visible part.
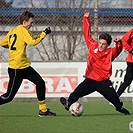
(14, 41)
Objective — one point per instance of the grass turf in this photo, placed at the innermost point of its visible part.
(98, 117)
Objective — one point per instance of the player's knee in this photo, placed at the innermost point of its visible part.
(40, 84)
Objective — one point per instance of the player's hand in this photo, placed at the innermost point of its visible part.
(86, 13)
(117, 40)
(131, 51)
(47, 30)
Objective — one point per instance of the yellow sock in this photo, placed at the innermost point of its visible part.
(42, 106)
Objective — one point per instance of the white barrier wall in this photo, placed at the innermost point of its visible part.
(62, 78)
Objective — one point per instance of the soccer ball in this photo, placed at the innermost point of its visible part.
(76, 109)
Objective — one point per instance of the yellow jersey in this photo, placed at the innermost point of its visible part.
(17, 40)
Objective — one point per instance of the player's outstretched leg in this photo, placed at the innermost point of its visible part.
(123, 111)
(65, 103)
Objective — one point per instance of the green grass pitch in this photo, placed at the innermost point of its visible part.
(98, 117)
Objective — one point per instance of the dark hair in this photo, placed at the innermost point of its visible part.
(25, 16)
(106, 37)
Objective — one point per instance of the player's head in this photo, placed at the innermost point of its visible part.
(104, 41)
(26, 19)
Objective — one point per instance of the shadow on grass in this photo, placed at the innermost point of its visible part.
(93, 115)
(9, 116)
(63, 115)
(96, 115)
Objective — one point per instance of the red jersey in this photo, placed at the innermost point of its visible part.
(127, 41)
(99, 64)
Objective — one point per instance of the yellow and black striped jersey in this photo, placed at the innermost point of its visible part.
(17, 40)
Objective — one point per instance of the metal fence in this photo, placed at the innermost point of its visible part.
(66, 42)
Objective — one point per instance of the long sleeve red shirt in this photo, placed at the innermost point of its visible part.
(99, 64)
(127, 41)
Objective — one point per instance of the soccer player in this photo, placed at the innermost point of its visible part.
(99, 69)
(127, 41)
(19, 67)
